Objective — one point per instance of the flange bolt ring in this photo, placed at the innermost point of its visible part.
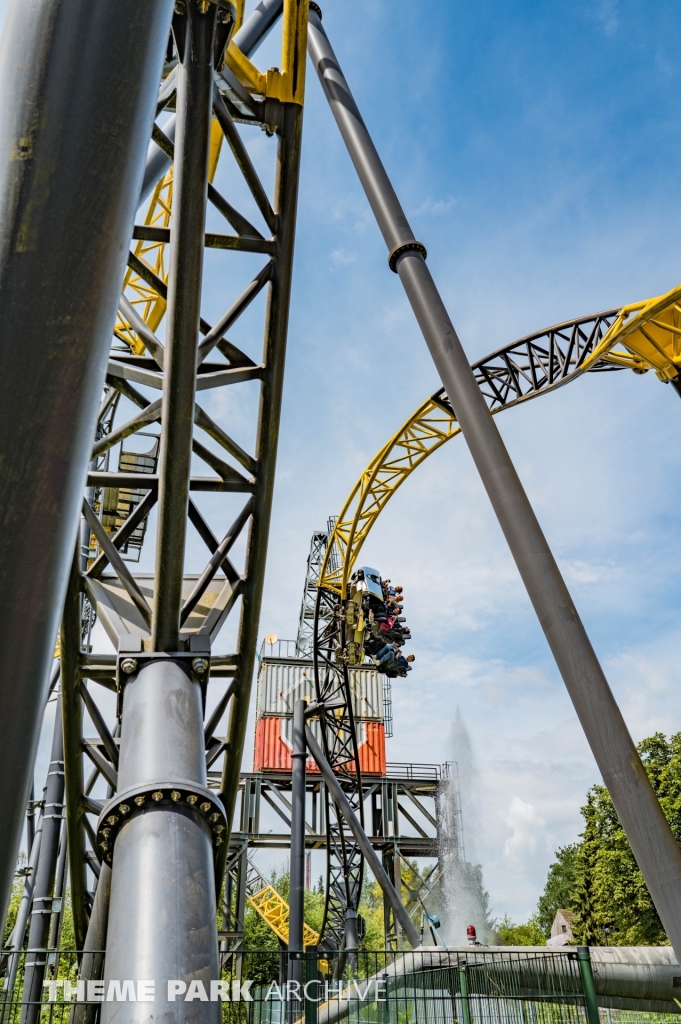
(399, 250)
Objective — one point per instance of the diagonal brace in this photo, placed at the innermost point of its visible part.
(127, 529)
(216, 560)
(117, 563)
(215, 334)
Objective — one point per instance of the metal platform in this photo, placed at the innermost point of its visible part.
(405, 811)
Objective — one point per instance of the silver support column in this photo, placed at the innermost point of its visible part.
(194, 39)
(41, 912)
(16, 939)
(92, 961)
(162, 907)
(297, 869)
(79, 82)
(648, 832)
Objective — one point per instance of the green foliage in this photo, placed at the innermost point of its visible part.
(598, 878)
(259, 936)
(371, 909)
(67, 938)
(15, 898)
(559, 888)
(530, 934)
(583, 900)
(611, 898)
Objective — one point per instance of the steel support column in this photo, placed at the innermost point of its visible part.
(79, 84)
(24, 909)
(41, 912)
(162, 909)
(656, 851)
(92, 962)
(194, 33)
(72, 712)
(59, 887)
(297, 868)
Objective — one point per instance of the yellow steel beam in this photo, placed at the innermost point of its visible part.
(650, 332)
(424, 432)
(148, 303)
(274, 910)
(288, 82)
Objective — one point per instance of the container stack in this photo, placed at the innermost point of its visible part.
(283, 681)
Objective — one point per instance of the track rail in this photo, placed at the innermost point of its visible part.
(531, 366)
(344, 860)
(537, 364)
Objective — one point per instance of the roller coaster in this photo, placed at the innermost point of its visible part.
(163, 99)
(532, 366)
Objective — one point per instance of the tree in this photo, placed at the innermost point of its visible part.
(530, 934)
(608, 892)
(598, 878)
(559, 888)
(15, 898)
(583, 900)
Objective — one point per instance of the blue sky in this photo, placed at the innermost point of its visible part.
(535, 148)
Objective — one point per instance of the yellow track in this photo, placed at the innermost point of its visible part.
(274, 910)
(651, 334)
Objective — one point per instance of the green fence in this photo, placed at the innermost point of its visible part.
(266, 987)
(59, 995)
(413, 988)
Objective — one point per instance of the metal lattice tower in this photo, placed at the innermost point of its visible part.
(315, 560)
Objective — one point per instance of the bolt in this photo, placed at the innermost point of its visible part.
(128, 665)
(200, 665)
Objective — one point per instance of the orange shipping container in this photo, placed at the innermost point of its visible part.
(273, 746)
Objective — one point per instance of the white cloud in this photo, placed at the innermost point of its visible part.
(579, 571)
(437, 206)
(524, 823)
(606, 12)
(341, 258)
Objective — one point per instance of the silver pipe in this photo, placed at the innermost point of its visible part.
(297, 868)
(162, 906)
(92, 962)
(626, 977)
(258, 26)
(79, 84)
(39, 929)
(653, 844)
(19, 930)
